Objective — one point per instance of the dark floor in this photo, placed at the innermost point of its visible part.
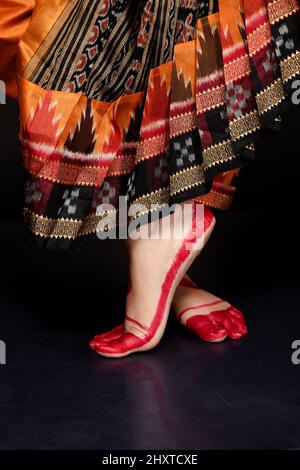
(57, 394)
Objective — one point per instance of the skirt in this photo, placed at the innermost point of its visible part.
(156, 102)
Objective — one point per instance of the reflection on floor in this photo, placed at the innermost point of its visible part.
(186, 394)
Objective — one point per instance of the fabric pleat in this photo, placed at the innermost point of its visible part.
(159, 102)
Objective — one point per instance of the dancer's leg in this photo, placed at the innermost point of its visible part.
(156, 268)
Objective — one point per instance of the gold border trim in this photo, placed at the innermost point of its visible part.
(270, 97)
(244, 125)
(216, 200)
(280, 9)
(186, 179)
(182, 124)
(219, 153)
(290, 67)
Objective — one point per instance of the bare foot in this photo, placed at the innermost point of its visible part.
(156, 268)
(210, 317)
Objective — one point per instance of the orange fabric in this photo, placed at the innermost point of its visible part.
(14, 19)
(15, 16)
(71, 139)
(45, 14)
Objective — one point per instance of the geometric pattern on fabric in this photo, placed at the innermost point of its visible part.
(184, 152)
(160, 101)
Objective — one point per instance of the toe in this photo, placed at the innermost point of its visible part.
(107, 336)
(215, 332)
(227, 323)
(240, 326)
(237, 324)
(236, 313)
(121, 346)
(238, 318)
(206, 329)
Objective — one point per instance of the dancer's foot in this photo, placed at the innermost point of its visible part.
(210, 317)
(208, 329)
(156, 268)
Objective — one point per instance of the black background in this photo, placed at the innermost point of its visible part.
(186, 394)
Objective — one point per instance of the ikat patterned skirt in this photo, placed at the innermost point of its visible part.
(158, 101)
